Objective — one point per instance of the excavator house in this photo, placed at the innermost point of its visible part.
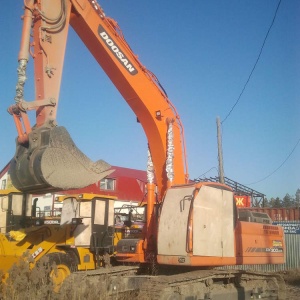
(196, 224)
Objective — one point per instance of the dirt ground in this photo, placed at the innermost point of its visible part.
(292, 280)
(292, 292)
(25, 284)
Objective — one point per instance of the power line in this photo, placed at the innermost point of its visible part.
(259, 55)
(207, 172)
(278, 167)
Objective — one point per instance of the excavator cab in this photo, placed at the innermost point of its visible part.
(50, 161)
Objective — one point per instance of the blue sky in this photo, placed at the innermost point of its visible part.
(202, 52)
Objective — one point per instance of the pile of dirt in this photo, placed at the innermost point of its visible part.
(24, 283)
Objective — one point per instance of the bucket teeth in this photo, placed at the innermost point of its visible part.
(52, 162)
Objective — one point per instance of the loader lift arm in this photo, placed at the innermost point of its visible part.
(47, 145)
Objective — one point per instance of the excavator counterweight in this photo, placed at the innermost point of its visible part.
(50, 161)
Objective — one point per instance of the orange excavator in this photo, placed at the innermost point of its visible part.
(196, 224)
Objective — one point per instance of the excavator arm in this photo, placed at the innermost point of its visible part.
(46, 157)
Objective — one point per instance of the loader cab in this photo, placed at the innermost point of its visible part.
(15, 210)
(19, 210)
(91, 218)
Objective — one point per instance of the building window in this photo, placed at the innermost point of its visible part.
(107, 184)
(3, 184)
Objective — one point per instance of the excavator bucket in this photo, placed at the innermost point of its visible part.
(50, 161)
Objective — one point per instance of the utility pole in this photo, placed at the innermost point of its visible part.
(220, 151)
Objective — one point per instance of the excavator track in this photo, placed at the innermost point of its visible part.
(216, 285)
(200, 284)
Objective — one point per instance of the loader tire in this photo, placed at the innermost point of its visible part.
(62, 265)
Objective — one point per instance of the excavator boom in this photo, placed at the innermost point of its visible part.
(46, 157)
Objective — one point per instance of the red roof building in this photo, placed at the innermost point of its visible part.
(124, 183)
(127, 185)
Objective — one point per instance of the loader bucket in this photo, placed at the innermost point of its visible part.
(50, 162)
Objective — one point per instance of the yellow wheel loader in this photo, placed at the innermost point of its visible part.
(84, 240)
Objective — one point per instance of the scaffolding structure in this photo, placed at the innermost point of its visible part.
(257, 198)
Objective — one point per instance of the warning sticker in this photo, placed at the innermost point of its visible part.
(277, 243)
